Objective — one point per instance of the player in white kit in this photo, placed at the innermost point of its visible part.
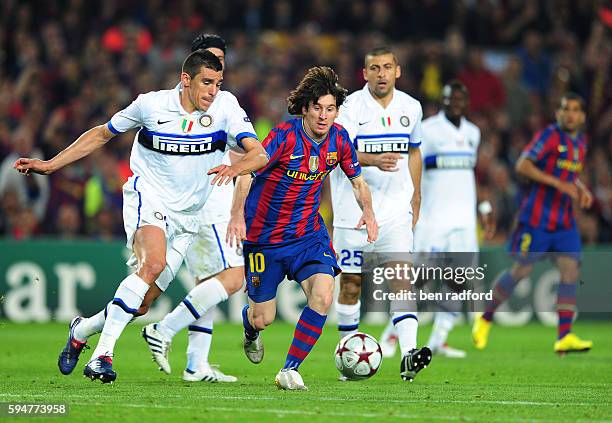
(216, 266)
(385, 125)
(183, 135)
(448, 211)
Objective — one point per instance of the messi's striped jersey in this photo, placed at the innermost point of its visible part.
(554, 152)
(283, 203)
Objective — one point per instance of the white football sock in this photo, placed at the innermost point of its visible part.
(406, 325)
(200, 338)
(91, 325)
(127, 300)
(443, 323)
(200, 299)
(348, 318)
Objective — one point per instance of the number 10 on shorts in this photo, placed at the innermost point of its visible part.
(257, 262)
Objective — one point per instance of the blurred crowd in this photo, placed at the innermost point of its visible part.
(66, 66)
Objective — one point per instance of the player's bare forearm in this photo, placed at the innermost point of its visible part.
(361, 190)
(83, 146)
(384, 161)
(254, 159)
(364, 199)
(243, 185)
(526, 168)
(236, 228)
(415, 167)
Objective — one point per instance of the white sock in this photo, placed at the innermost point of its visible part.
(443, 323)
(91, 325)
(348, 318)
(127, 300)
(406, 325)
(199, 300)
(389, 330)
(200, 338)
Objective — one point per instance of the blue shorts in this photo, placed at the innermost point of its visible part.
(529, 244)
(267, 265)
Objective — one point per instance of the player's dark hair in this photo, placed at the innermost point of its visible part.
(198, 59)
(572, 96)
(204, 41)
(454, 85)
(318, 81)
(378, 51)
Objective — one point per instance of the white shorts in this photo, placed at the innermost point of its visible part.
(141, 207)
(431, 238)
(350, 244)
(209, 254)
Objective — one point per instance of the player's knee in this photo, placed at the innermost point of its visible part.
(151, 268)
(232, 285)
(350, 291)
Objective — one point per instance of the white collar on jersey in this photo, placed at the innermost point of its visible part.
(461, 122)
(370, 98)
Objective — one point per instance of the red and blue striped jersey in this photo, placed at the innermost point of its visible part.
(283, 203)
(554, 152)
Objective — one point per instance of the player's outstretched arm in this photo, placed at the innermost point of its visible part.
(364, 199)
(526, 168)
(385, 161)
(236, 228)
(254, 159)
(415, 166)
(83, 146)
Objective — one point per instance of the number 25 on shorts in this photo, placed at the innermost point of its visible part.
(257, 263)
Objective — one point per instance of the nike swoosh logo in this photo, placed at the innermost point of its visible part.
(326, 255)
(363, 123)
(159, 122)
(562, 149)
(295, 157)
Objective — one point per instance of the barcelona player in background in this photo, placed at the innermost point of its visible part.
(552, 163)
(285, 234)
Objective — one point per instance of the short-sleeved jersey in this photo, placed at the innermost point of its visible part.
(554, 152)
(448, 184)
(173, 150)
(377, 130)
(283, 203)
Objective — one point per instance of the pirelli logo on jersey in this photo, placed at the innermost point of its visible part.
(182, 145)
(386, 147)
(383, 143)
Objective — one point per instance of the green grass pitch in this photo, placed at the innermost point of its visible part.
(518, 378)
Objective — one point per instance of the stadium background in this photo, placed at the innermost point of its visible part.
(66, 66)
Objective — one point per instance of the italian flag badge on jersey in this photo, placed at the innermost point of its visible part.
(386, 121)
(187, 125)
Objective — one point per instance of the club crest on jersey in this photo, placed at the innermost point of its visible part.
(405, 121)
(187, 125)
(205, 120)
(332, 158)
(313, 163)
(255, 281)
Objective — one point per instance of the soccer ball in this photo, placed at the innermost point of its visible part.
(358, 356)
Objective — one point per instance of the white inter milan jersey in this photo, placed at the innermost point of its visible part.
(448, 184)
(219, 203)
(173, 150)
(375, 129)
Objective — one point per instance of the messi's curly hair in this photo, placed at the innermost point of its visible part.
(318, 81)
